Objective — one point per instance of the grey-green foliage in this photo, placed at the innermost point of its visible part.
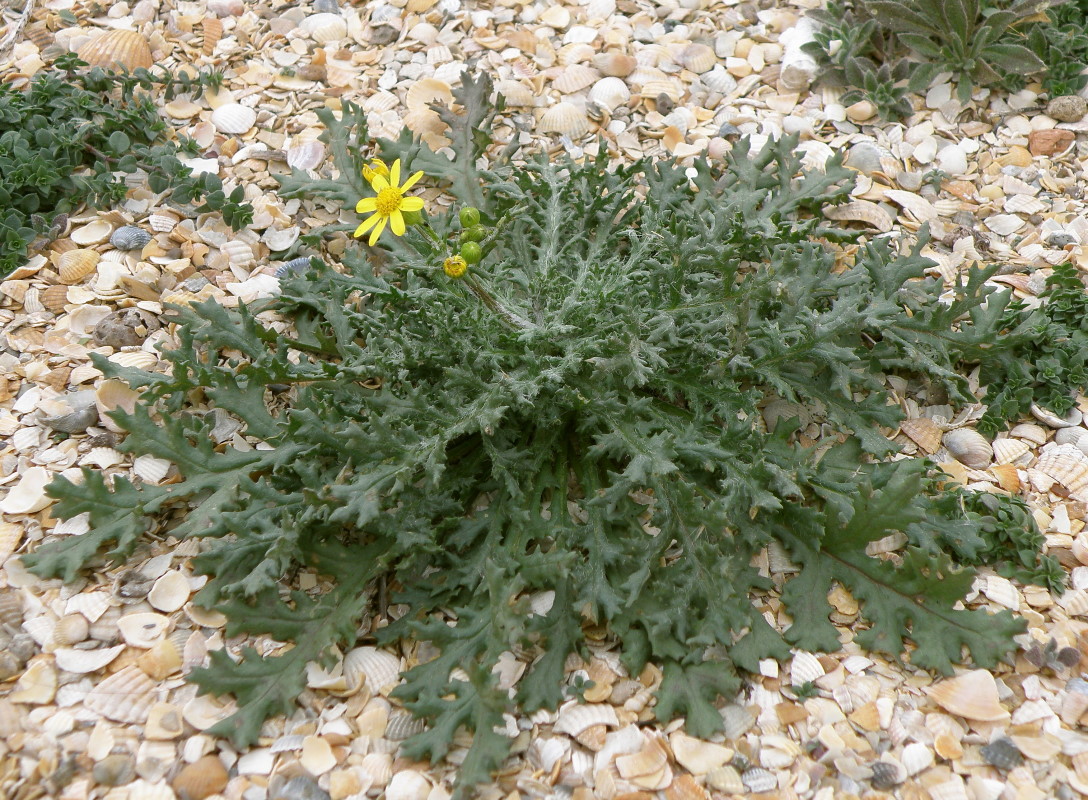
(596, 440)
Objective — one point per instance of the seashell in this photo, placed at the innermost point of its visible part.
(380, 101)
(204, 711)
(915, 758)
(427, 91)
(428, 126)
(11, 609)
(325, 27)
(233, 118)
(81, 662)
(379, 767)
(125, 696)
(600, 9)
(212, 29)
(379, 669)
(969, 447)
(91, 605)
(28, 495)
(162, 659)
(573, 719)
(1048, 417)
(115, 769)
(75, 265)
(170, 592)
(1030, 432)
(915, 205)
(316, 756)
(1007, 451)
(1008, 477)
(610, 92)
(150, 469)
(1002, 753)
(614, 64)
(862, 211)
(31, 303)
(652, 89)
(307, 155)
(516, 93)
(697, 756)
(238, 253)
(204, 777)
(1002, 592)
(1068, 470)
(1073, 436)
(124, 49)
(972, 695)
(575, 78)
(164, 722)
(294, 266)
(737, 720)
(727, 780)
(143, 629)
(565, 119)
(162, 221)
(699, 58)
(758, 780)
(129, 237)
(648, 761)
(887, 774)
(70, 629)
(1075, 603)
(402, 725)
(805, 668)
(1038, 748)
(55, 298)
(408, 785)
(11, 535)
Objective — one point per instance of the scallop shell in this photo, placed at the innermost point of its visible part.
(805, 668)
(969, 447)
(81, 662)
(238, 253)
(143, 629)
(204, 777)
(610, 92)
(325, 27)
(307, 155)
(70, 629)
(380, 670)
(150, 469)
(401, 725)
(651, 89)
(699, 58)
(408, 785)
(573, 719)
(1048, 417)
(972, 695)
(516, 93)
(233, 118)
(1030, 432)
(427, 91)
(55, 298)
(120, 48)
(862, 211)
(565, 119)
(1007, 451)
(162, 221)
(75, 265)
(615, 64)
(575, 78)
(125, 696)
(129, 237)
(697, 756)
(1068, 470)
(758, 780)
(170, 592)
(11, 609)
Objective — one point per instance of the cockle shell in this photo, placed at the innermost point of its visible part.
(238, 253)
(150, 469)
(610, 92)
(380, 670)
(125, 696)
(163, 221)
(652, 88)
(117, 49)
(969, 447)
(212, 29)
(401, 725)
(11, 609)
(565, 119)
(80, 662)
(143, 629)
(1071, 471)
(726, 779)
(1030, 432)
(427, 91)
(575, 78)
(91, 605)
(615, 64)
(70, 629)
(129, 237)
(163, 658)
(75, 265)
(805, 668)
(759, 780)
(307, 155)
(10, 536)
(164, 722)
(203, 778)
(1007, 451)
(408, 785)
(55, 298)
(38, 685)
(573, 719)
(325, 27)
(862, 211)
(972, 695)
(648, 761)
(170, 592)
(233, 118)
(516, 93)
(1073, 436)
(699, 58)
(697, 756)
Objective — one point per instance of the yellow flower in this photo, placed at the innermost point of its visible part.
(455, 266)
(376, 167)
(389, 204)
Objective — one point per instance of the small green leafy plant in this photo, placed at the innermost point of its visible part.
(563, 433)
(73, 136)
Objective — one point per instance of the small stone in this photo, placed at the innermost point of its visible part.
(886, 775)
(128, 327)
(1060, 240)
(382, 35)
(81, 415)
(1002, 753)
(1067, 108)
(115, 770)
(1050, 142)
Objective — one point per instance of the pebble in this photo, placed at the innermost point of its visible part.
(82, 413)
(1050, 142)
(1067, 108)
(126, 328)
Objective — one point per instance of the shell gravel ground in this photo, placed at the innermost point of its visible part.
(93, 702)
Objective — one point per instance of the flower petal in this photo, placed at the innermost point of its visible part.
(366, 205)
(380, 182)
(378, 231)
(394, 173)
(367, 224)
(411, 204)
(396, 222)
(408, 184)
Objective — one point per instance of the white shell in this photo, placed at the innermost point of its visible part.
(969, 447)
(238, 253)
(698, 58)
(138, 359)
(143, 629)
(1031, 432)
(697, 756)
(573, 719)
(125, 696)
(379, 767)
(92, 233)
(307, 155)
(170, 592)
(28, 495)
(380, 670)
(516, 93)
(204, 711)
(233, 118)
(972, 695)
(1071, 471)
(150, 469)
(325, 27)
(1048, 417)
(91, 605)
(565, 119)
(915, 758)
(103, 457)
(408, 785)
(427, 91)
(610, 93)
(805, 668)
(162, 221)
(81, 662)
(575, 78)
(1008, 451)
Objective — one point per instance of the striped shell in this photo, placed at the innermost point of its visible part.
(427, 91)
(125, 696)
(610, 92)
(575, 78)
(380, 670)
(121, 48)
(969, 447)
(699, 58)
(75, 265)
(233, 118)
(573, 719)
(82, 662)
(129, 237)
(1008, 451)
(565, 119)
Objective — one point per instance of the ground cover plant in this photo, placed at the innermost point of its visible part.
(74, 135)
(541, 411)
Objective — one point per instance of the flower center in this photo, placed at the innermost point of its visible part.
(388, 201)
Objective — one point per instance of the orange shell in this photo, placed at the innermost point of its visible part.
(127, 49)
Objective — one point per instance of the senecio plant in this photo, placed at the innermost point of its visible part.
(539, 413)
